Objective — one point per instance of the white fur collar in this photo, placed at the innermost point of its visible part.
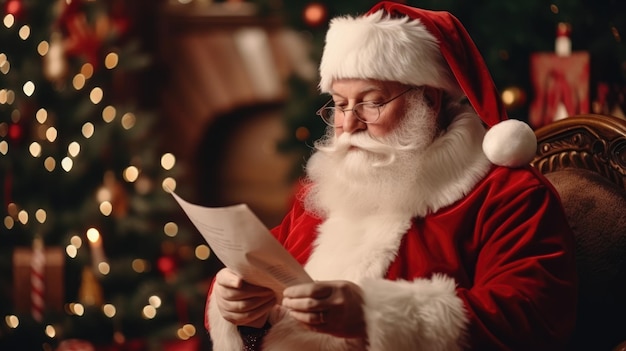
(356, 248)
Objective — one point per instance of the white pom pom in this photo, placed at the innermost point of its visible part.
(510, 143)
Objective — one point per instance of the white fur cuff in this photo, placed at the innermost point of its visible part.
(425, 314)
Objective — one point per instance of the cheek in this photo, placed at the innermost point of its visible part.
(383, 128)
(379, 130)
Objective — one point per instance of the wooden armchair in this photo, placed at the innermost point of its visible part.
(584, 157)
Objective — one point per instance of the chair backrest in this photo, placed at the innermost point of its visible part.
(584, 157)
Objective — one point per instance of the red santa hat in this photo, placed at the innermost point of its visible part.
(395, 42)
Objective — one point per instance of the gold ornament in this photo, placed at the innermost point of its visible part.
(90, 291)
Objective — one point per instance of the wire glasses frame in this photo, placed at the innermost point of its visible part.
(366, 112)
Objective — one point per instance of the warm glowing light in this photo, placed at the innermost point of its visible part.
(186, 331)
(169, 184)
(128, 120)
(35, 149)
(77, 308)
(149, 312)
(9, 20)
(76, 241)
(104, 268)
(41, 115)
(111, 60)
(554, 9)
(93, 235)
(4, 147)
(71, 251)
(9, 222)
(50, 164)
(67, 164)
(170, 229)
(22, 216)
(302, 133)
(43, 47)
(29, 88)
(109, 310)
(96, 95)
(24, 32)
(87, 70)
(6, 96)
(108, 114)
(88, 130)
(73, 149)
(203, 252)
(5, 65)
(40, 215)
(78, 82)
(168, 161)
(51, 134)
(12, 321)
(139, 265)
(131, 173)
(106, 208)
(50, 331)
(12, 209)
(154, 301)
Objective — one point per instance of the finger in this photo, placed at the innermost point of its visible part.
(228, 278)
(242, 314)
(312, 318)
(312, 290)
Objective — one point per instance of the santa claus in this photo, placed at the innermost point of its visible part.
(420, 220)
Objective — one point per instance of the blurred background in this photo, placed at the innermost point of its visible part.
(106, 103)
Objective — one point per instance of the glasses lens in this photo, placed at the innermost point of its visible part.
(367, 112)
(328, 115)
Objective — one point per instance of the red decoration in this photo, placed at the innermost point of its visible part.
(15, 132)
(85, 39)
(37, 282)
(192, 344)
(315, 14)
(14, 7)
(166, 265)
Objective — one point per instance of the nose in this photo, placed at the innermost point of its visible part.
(350, 123)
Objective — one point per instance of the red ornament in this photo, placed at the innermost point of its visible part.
(15, 132)
(166, 265)
(14, 7)
(315, 14)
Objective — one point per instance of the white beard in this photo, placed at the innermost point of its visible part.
(380, 175)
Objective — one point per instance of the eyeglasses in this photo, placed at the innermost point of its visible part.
(366, 112)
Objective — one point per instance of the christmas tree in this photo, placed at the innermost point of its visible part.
(90, 249)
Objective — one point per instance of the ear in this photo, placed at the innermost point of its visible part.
(433, 97)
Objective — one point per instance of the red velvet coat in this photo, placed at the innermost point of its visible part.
(508, 248)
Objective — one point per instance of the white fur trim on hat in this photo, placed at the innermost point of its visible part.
(510, 143)
(384, 48)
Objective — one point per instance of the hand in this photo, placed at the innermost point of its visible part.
(333, 307)
(240, 302)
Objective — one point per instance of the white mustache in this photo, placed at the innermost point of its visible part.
(362, 141)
